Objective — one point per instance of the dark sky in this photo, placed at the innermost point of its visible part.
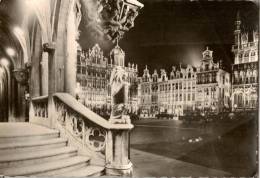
(167, 32)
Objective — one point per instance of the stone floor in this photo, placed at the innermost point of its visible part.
(225, 145)
(148, 164)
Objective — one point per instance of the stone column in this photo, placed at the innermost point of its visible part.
(117, 153)
(44, 74)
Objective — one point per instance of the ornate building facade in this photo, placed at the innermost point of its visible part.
(213, 85)
(93, 75)
(173, 94)
(186, 89)
(245, 69)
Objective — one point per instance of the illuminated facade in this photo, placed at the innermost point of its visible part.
(213, 85)
(93, 75)
(245, 69)
(186, 89)
(172, 95)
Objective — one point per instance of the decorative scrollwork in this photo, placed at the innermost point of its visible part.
(96, 139)
(75, 125)
(40, 109)
(61, 114)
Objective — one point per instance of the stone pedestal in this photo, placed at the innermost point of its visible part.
(117, 153)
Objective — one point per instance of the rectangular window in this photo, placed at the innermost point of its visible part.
(78, 70)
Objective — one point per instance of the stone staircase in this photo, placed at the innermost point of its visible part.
(32, 150)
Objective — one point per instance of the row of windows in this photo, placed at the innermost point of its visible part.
(91, 72)
(246, 54)
(206, 78)
(169, 87)
(163, 78)
(179, 97)
(246, 80)
(250, 101)
(93, 83)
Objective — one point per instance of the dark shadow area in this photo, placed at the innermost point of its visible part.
(227, 146)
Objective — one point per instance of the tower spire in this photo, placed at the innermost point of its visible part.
(238, 16)
(237, 31)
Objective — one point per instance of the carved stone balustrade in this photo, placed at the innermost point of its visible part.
(39, 110)
(93, 135)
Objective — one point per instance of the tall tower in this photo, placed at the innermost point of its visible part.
(244, 70)
(117, 56)
(237, 31)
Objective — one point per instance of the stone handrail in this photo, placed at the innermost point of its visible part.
(88, 114)
(92, 134)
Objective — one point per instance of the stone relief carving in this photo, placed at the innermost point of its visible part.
(119, 94)
(95, 138)
(117, 17)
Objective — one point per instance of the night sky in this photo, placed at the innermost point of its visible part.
(169, 32)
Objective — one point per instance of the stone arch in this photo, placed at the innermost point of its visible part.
(10, 89)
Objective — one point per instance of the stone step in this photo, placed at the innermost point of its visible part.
(91, 170)
(33, 137)
(48, 168)
(18, 159)
(33, 145)
(18, 132)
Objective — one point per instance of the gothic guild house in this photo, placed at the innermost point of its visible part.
(173, 94)
(93, 75)
(245, 69)
(213, 85)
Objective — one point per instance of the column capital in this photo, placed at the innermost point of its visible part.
(49, 47)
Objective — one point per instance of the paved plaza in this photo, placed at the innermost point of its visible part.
(220, 148)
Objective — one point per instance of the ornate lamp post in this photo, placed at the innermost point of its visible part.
(117, 16)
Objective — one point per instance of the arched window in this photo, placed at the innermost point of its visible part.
(241, 58)
(240, 100)
(202, 78)
(255, 76)
(253, 100)
(252, 77)
(210, 78)
(241, 77)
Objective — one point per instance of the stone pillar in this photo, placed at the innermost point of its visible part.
(44, 75)
(52, 65)
(117, 153)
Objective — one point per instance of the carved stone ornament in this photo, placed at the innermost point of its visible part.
(95, 139)
(21, 75)
(49, 47)
(117, 16)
